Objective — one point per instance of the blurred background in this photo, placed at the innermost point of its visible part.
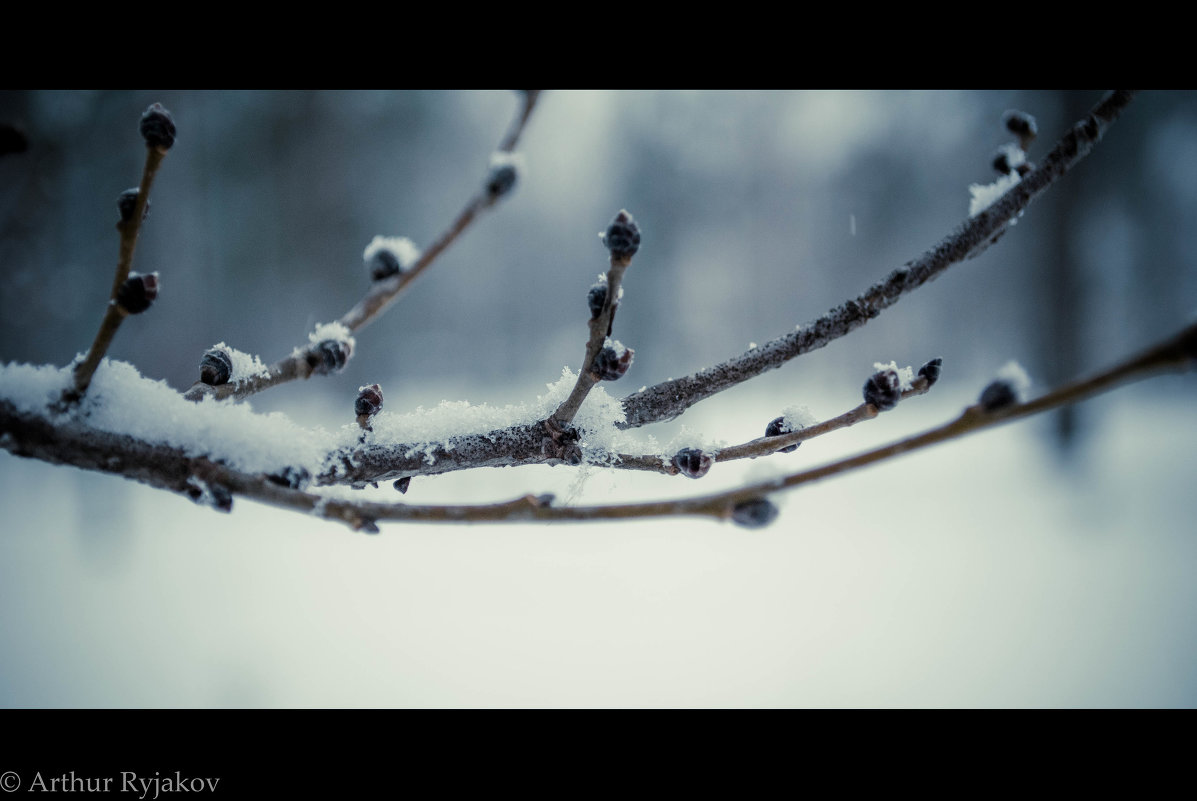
(1048, 564)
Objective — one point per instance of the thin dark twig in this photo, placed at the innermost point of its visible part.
(381, 294)
(114, 314)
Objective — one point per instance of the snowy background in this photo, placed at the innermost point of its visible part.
(1045, 563)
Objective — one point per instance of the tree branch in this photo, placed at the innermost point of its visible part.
(669, 399)
(382, 293)
(62, 439)
(132, 215)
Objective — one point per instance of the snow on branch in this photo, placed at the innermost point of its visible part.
(213, 451)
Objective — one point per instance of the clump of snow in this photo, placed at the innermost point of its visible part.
(122, 401)
(33, 387)
(1013, 374)
(985, 195)
(404, 249)
(615, 345)
(335, 331)
(245, 365)
(502, 158)
(798, 417)
(1015, 156)
(425, 430)
(905, 374)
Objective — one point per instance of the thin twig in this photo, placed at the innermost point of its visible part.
(765, 446)
(381, 294)
(600, 329)
(669, 399)
(114, 314)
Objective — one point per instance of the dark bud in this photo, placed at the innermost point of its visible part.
(930, 371)
(157, 127)
(222, 499)
(756, 513)
(12, 139)
(544, 501)
(622, 237)
(369, 401)
(292, 477)
(383, 264)
(137, 293)
(1024, 168)
(883, 390)
(692, 462)
(329, 356)
(500, 180)
(127, 203)
(778, 427)
(597, 298)
(610, 364)
(216, 367)
(998, 395)
(1020, 124)
(1001, 162)
(402, 484)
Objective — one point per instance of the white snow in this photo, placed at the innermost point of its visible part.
(121, 401)
(1015, 157)
(502, 158)
(798, 417)
(334, 331)
(426, 429)
(619, 348)
(985, 195)
(404, 249)
(905, 374)
(245, 365)
(1013, 374)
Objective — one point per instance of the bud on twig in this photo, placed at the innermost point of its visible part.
(368, 404)
(216, 367)
(329, 356)
(402, 484)
(1007, 389)
(692, 463)
(158, 127)
(613, 361)
(756, 513)
(930, 371)
(137, 292)
(389, 255)
(1022, 125)
(504, 170)
(596, 298)
(883, 390)
(622, 237)
(778, 427)
(998, 395)
(127, 203)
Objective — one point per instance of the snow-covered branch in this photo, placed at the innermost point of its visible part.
(204, 444)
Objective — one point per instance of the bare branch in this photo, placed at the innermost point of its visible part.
(157, 145)
(381, 294)
(669, 399)
(622, 239)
